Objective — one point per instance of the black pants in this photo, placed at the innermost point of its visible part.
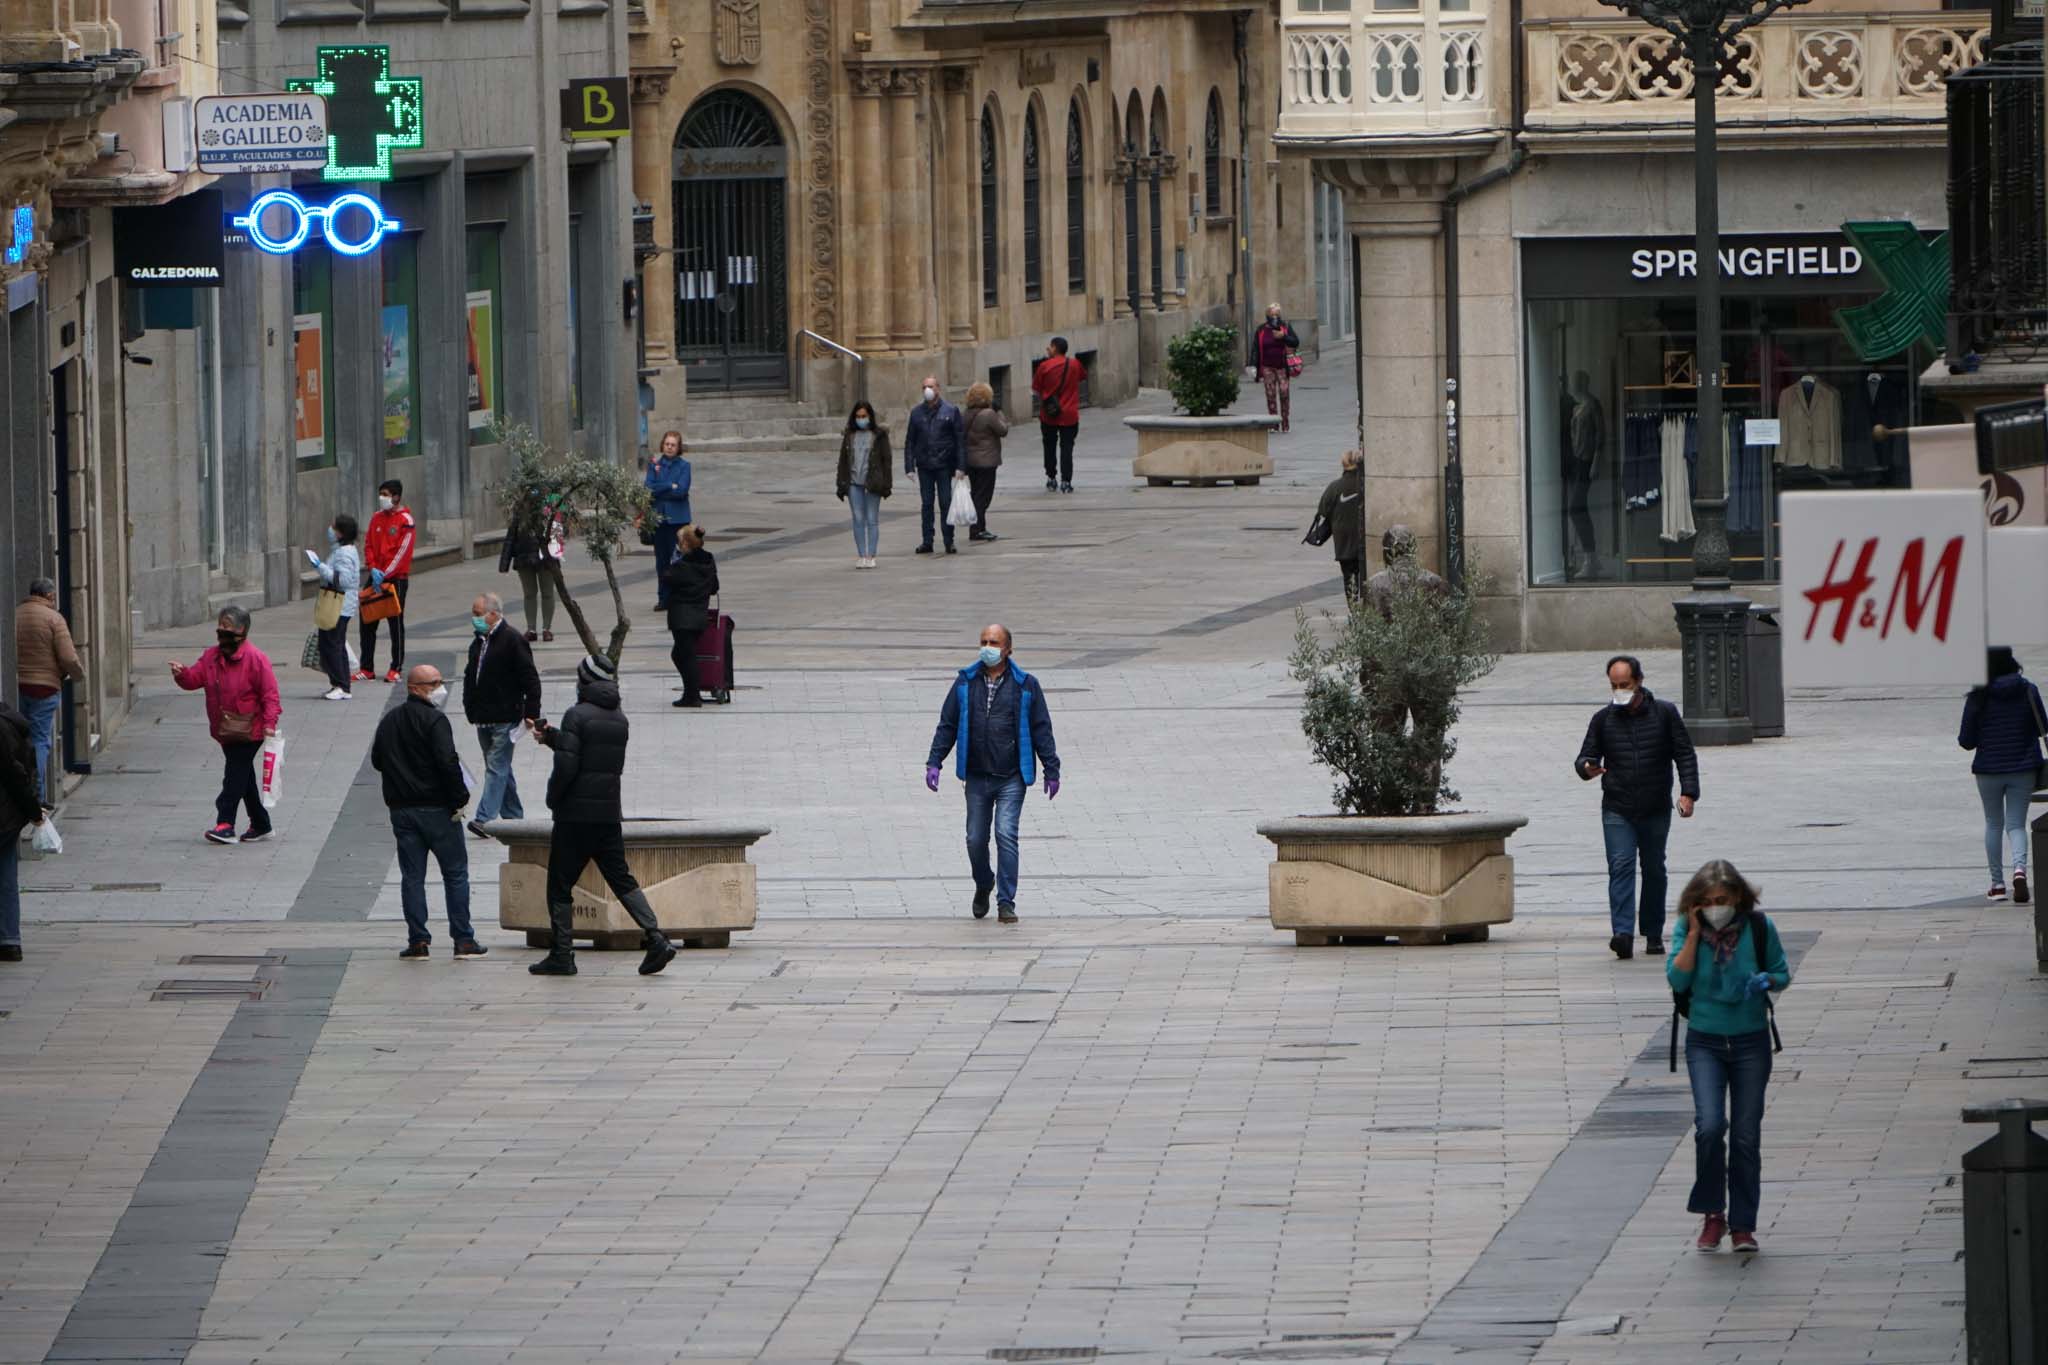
(982, 484)
(1059, 451)
(935, 494)
(334, 653)
(684, 657)
(238, 785)
(367, 631)
(573, 846)
(1349, 567)
(1578, 485)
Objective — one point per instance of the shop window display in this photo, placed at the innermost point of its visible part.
(399, 350)
(484, 372)
(312, 357)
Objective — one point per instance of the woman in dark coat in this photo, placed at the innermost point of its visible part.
(2003, 725)
(692, 583)
(863, 479)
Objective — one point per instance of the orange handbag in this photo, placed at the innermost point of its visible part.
(378, 604)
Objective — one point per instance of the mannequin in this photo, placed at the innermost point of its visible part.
(1588, 436)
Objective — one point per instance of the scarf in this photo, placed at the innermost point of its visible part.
(1723, 941)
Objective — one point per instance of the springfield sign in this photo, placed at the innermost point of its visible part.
(283, 132)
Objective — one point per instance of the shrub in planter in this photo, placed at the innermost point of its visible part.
(1202, 369)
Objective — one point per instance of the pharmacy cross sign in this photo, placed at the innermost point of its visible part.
(1914, 306)
(369, 110)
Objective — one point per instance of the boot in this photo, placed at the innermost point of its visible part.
(558, 962)
(660, 952)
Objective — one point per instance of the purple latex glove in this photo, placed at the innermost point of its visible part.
(1052, 787)
(1757, 985)
(931, 776)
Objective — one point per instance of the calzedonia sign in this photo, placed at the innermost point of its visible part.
(1818, 263)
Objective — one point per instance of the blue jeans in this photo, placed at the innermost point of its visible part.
(1633, 839)
(664, 555)
(1728, 1078)
(867, 521)
(500, 796)
(998, 801)
(421, 830)
(42, 733)
(934, 488)
(2005, 797)
(10, 893)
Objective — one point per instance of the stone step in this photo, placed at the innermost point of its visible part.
(765, 444)
(702, 429)
(753, 409)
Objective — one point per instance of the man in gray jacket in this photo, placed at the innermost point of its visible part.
(933, 451)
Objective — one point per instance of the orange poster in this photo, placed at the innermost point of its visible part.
(309, 391)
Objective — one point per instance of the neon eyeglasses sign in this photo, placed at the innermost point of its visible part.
(304, 217)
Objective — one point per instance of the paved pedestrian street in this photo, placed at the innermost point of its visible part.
(1139, 1126)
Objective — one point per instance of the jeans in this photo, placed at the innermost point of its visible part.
(536, 585)
(1633, 838)
(1728, 1077)
(366, 633)
(10, 894)
(934, 488)
(684, 656)
(1059, 451)
(240, 787)
(334, 654)
(664, 555)
(42, 733)
(421, 830)
(867, 521)
(573, 846)
(500, 796)
(2005, 797)
(982, 484)
(997, 800)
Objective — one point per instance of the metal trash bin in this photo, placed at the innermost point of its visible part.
(1766, 684)
(2005, 1236)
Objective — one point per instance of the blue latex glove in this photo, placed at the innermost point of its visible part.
(376, 578)
(931, 777)
(1052, 787)
(1756, 985)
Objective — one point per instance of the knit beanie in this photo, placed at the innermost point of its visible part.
(597, 668)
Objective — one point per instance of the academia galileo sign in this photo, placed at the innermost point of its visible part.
(261, 133)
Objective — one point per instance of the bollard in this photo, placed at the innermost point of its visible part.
(2005, 1236)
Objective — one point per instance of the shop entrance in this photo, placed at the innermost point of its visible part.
(731, 170)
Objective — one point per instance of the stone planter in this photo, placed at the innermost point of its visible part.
(1203, 451)
(1415, 879)
(695, 873)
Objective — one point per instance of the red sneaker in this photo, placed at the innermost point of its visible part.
(1743, 1241)
(1712, 1231)
(391, 675)
(363, 675)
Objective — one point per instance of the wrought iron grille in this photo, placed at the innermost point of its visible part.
(991, 215)
(1152, 195)
(1034, 266)
(1212, 158)
(1077, 205)
(1998, 231)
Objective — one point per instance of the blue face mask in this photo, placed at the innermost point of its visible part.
(332, 538)
(991, 656)
(482, 626)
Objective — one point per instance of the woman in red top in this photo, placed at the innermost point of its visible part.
(242, 710)
(1274, 342)
(1056, 384)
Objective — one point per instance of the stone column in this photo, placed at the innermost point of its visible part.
(31, 31)
(867, 243)
(909, 234)
(653, 183)
(962, 306)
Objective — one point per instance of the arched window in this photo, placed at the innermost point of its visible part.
(1034, 272)
(991, 219)
(1077, 205)
(1212, 158)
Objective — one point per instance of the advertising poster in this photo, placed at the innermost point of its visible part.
(483, 362)
(397, 374)
(309, 389)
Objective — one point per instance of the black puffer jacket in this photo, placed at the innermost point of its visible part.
(590, 757)
(1638, 745)
(692, 583)
(17, 774)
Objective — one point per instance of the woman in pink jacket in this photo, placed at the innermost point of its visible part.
(242, 710)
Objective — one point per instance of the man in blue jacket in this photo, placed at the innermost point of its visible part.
(995, 724)
(933, 451)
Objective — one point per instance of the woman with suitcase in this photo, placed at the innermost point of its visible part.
(692, 581)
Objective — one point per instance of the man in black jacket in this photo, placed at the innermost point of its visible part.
(500, 693)
(19, 807)
(1632, 745)
(426, 791)
(933, 451)
(583, 793)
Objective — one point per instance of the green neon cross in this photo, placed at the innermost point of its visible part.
(369, 110)
(1915, 305)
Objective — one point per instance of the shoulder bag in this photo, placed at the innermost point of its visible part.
(378, 604)
(327, 609)
(1050, 409)
(1319, 531)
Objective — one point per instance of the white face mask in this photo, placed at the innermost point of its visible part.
(1623, 696)
(930, 394)
(384, 503)
(439, 696)
(1718, 917)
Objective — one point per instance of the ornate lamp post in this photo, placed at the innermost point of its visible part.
(1712, 619)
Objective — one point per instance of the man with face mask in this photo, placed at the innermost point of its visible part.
(425, 789)
(996, 724)
(500, 693)
(932, 451)
(1632, 745)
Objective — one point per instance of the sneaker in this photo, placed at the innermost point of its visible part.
(2020, 894)
(1996, 893)
(416, 951)
(10, 952)
(256, 836)
(334, 694)
(1623, 946)
(1653, 948)
(1052, 485)
(687, 701)
(221, 834)
(981, 896)
(1006, 913)
(363, 675)
(660, 952)
(476, 827)
(391, 675)
(922, 550)
(1743, 1241)
(469, 947)
(556, 963)
(983, 537)
(1711, 1232)
(1066, 488)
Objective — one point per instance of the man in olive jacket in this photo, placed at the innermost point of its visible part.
(584, 794)
(1632, 745)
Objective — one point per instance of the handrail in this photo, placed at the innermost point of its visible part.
(860, 365)
(828, 341)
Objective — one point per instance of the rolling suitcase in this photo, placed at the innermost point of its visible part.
(714, 657)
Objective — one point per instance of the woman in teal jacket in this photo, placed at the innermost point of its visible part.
(1727, 1043)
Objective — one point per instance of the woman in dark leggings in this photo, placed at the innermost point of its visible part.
(692, 580)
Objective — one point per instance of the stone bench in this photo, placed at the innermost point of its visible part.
(695, 873)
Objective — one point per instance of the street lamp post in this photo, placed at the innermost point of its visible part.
(1713, 620)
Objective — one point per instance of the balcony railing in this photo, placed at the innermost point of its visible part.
(1813, 68)
(1368, 74)
(1998, 230)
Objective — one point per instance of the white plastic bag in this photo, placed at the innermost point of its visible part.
(44, 840)
(960, 512)
(270, 771)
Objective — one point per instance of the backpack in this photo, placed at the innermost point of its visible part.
(1681, 1001)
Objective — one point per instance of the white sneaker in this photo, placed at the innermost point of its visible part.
(335, 694)
(871, 561)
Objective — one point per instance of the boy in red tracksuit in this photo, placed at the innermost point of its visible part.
(387, 554)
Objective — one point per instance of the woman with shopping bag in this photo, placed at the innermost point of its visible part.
(341, 580)
(242, 712)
